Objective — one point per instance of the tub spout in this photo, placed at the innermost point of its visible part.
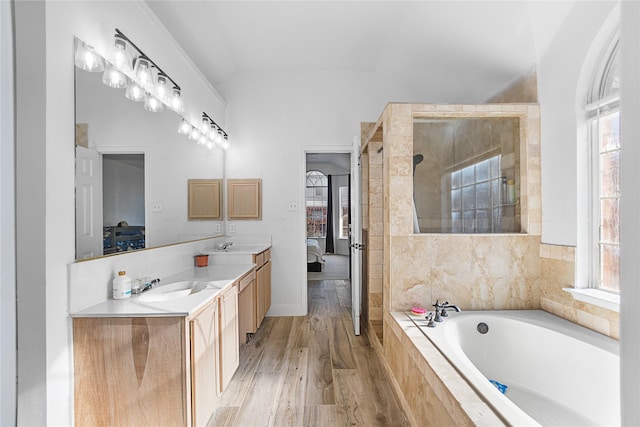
(449, 306)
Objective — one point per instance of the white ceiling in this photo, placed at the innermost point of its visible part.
(432, 43)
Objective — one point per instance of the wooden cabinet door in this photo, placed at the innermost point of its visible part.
(266, 275)
(130, 371)
(204, 364)
(246, 311)
(229, 344)
(244, 199)
(260, 292)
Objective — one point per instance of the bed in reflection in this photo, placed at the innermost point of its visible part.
(122, 238)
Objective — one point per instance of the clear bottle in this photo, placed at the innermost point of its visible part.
(121, 285)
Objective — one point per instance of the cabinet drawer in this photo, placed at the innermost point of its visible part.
(258, 259)
(266, 255)
(246, 280)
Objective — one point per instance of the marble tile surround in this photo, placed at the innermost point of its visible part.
(473, 271)
(557, 271)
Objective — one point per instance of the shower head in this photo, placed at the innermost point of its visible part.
(417, 159)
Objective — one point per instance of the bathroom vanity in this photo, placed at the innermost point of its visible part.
(254, 293)
(154, 361)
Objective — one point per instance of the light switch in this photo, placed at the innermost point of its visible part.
(232, 227)
(217, 228)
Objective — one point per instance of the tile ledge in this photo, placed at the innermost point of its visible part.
(603, 299)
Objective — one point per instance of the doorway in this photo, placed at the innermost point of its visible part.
(330, 200)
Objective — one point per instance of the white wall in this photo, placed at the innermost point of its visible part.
(629, 208)
(7, 223)
(561, 94)
(94, 22)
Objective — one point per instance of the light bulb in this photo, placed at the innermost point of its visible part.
(194, 134)
(209, 144)
(205, 126)
(152, 104)
(135, 93)
(184, 128)
(214, 133)
(87, 59)
(162, 88)
(202, 139)
(143, 73)
(175, 101)
(120, 55)
(225, 142)
(114, 78)
(219, 137)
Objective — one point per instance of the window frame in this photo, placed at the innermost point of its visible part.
(321, 177)
(598, 102)
(601, 102)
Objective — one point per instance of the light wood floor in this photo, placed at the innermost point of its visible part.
(310, 371)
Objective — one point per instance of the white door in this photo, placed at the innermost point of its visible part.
(355, 237)
(88, 203)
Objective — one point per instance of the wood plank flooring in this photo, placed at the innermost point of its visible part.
(310, 371)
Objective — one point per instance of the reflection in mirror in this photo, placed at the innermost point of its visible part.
(132, 169)
(466, 175)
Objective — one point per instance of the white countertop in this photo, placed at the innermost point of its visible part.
(241, 248)
(183, 306)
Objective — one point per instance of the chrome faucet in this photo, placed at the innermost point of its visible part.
(225, 246)
(146, 286)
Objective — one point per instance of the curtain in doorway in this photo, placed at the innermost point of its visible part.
(329, 246)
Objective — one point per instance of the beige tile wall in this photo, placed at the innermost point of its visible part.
(557, 271)
(372, 209)
(473, 271)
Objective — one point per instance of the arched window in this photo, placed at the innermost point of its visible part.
(603, 117)
(316, 204)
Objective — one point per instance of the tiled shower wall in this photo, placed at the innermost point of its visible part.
(372, 202)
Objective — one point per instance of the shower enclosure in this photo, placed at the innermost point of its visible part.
(466, 172)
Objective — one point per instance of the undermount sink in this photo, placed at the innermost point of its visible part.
(242, 248)
(181, 289)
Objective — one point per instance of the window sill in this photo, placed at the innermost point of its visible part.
(599, 298)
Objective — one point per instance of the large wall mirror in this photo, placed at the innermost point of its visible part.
(466, 174)
(132, 172)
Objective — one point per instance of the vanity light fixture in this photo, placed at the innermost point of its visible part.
(121, 56)
(114, 78)
(184, 128)
(87, 59)
(194, 135)
(135, 93)
(175, 101)
(216, 134)
(142, 72)
(163, 87)
(153, 104)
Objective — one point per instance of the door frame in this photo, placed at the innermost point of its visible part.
(107, 149)
(321, 149)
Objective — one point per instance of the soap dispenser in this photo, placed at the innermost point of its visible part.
(121, 285)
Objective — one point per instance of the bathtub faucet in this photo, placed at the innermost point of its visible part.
(441, 310)
(446, 306)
